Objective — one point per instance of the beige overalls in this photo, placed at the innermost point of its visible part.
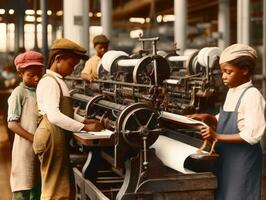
(51, 144)
(24, 170)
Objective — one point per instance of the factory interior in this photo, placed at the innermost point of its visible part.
(162, 64)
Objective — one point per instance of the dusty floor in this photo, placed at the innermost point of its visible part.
(5, 162)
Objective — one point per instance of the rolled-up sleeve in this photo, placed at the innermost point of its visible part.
(15, 102)
(253, 123)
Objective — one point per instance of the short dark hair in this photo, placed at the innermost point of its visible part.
(244, 61)
(100, 39)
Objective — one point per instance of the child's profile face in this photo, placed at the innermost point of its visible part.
(234, 76)
(66, 65)
(101, 49)
(31, 75)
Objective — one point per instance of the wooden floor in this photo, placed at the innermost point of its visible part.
(5, 163)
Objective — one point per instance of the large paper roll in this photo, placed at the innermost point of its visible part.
(109, 57)
(173, 153)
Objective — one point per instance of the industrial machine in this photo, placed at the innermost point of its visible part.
(124, 165)
(141, 100)
(178, 84)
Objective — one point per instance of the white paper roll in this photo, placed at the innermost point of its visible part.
(211, 53)
(173, 153)
(109, 57)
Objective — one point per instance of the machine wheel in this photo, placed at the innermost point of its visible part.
(143, 72)
(136, 122)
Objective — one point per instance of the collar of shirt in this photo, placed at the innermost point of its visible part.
(233, 95)
(27, 87)
(240, 87)
(48, 71)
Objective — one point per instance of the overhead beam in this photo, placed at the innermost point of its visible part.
(129, 25)
(129, 8)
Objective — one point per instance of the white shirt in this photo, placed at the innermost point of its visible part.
(251, 117)
(48, 99)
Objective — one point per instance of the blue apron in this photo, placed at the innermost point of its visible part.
(239, 169)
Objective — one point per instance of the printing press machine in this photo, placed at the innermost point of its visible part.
(141, 100)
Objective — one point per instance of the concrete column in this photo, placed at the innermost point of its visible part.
(180, 24)
(224, 23)
(54, 29)
(86, 22)
(239, 21)
(76, 27)
(36, 48)
(243, 21)
(106, 19)
(19, 25)
(246, 22)
(44, 6)
(7, 38)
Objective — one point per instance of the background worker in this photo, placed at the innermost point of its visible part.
(51, 138)
(101, 43)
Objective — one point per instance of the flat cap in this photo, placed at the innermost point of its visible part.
(29, 58)
(98, 39)
(236, 51)
(68, 45)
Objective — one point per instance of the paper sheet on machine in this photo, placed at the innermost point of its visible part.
(181, 118)
(173, 153)
(95, 135)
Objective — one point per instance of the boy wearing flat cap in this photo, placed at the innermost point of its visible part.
(22, 120)
(51, 139)
(241, 125)
(100, 43)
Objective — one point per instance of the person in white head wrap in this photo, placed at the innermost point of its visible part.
(240, 127)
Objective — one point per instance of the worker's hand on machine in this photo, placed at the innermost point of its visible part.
(206, 118)
(93, 125)
(103, 121)
(89, 121)
(208, 133)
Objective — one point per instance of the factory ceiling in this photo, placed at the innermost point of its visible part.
(122, 10)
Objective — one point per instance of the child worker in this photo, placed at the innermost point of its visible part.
(22, 120)
(51, 138)
(241, 125)
(101, 43)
